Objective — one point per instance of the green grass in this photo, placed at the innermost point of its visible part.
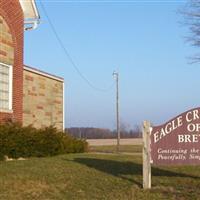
(113, 149)
(94, 176)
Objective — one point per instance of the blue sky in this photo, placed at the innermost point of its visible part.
(143, 40)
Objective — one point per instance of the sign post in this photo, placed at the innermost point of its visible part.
(146, 156)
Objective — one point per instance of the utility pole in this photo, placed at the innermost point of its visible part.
(116, 77)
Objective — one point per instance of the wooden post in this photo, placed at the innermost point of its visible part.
(146, 156)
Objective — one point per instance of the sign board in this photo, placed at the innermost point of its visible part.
(177, 142)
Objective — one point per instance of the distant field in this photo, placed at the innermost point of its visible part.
(94, 177)
(113, 149)
(106, 142)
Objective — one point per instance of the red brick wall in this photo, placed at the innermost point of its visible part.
(12, 13)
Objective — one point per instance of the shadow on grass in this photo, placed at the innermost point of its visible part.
(123, 169)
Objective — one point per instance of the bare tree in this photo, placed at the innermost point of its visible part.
(191, 13)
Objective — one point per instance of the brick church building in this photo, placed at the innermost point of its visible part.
(27, 95)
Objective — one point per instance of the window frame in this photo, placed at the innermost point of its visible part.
(10, 89)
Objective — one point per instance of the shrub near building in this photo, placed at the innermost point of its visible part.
(17, 141)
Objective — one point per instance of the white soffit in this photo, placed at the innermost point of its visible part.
(30, 10)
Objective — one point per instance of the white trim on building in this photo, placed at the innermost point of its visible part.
(31, 14)
(10, 89)
(63, 106)
(36, 71)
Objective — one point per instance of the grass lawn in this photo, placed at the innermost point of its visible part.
(94, 176)
(113, 149)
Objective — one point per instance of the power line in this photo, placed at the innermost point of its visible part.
(68, 55)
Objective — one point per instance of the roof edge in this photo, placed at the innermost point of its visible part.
(35, 17)
(42, 73)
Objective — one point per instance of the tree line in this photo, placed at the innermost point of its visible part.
(101, 133)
